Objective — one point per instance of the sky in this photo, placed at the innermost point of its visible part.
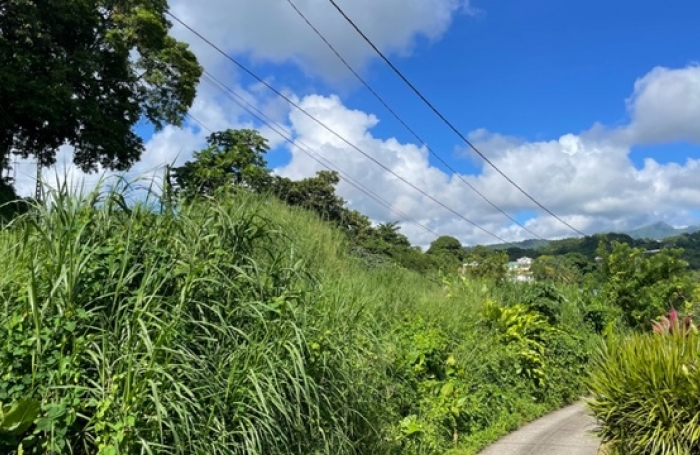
(593, 108)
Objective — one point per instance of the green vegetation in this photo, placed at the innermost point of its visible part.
(646, 390)
(248, 313)
(587, 247)
(10, 204)
(237, 324)
(84, 73)
(240, 312)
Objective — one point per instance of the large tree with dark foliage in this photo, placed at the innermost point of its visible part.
(84, 72)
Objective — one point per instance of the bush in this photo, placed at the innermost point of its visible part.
(646, 390)
(236, 325)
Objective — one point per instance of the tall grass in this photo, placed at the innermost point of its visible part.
(239, 325)
(646, 390)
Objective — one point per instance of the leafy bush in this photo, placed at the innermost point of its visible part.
(646, 390)
(643, 286)
(545, 299)
(235, 325)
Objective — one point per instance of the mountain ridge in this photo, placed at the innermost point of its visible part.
(654, 231)
(660, 231)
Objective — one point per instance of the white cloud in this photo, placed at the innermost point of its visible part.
(270, 30)
(588, 179)
(665, 107)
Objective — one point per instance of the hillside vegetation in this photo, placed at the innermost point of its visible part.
(239, 325)
(245, 313)
(242, 312)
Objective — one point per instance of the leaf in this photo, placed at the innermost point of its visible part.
(20, 417)
(43, 424)
(447, 389)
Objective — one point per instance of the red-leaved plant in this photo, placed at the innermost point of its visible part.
(672, 325)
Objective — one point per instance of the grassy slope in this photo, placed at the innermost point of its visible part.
(244, 327)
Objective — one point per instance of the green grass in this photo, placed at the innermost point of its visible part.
(645, 394)
(241, 326)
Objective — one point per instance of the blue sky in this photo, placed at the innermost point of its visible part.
(536, 69)
(593, 107)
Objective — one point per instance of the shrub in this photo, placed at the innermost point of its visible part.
(646, 390)
(236, 325)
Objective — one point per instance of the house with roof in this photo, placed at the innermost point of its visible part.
(520, 270)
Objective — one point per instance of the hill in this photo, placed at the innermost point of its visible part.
(240, 325)
(530, 244)
(660, 231)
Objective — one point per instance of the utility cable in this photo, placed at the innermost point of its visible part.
(266, 120)
(324, 126)
(447, 122)
(403, 122)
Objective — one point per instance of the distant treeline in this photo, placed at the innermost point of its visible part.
(587, 246)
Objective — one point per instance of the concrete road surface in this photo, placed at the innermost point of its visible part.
(564, 432)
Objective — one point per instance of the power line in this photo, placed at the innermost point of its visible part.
(201, 125)
(265, 119)
(402, 122)
(447, 122)
(324, 126)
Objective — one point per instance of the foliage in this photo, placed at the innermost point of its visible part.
(448, 251)
(483, 263)
(15, 420)
(11, 204)
(236, 324)
(84, 73)
(645, 391)
(233, 158)
(318, 195)
(545, 299)
(173, 333)
(643, 286)
(527, 331)
(559, 269)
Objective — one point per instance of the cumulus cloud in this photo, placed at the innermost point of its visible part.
(585, 177)
(588, 178)
(270, 30)
(665, 107)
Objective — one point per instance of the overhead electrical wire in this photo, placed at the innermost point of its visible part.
(330, 130)
(266, 120)
(403, 122)
(447, 122)
(201, 125)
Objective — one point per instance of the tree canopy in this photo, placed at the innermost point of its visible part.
(84, 72)
(232, 158)
(643, 286)
(485, 263)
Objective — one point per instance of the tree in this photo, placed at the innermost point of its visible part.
(314, 193)
(485, 263)
(84, 72)
(448, 252)
(11, 204)
(233, 158)
(643, 286)
(561, 269)
(446, 244)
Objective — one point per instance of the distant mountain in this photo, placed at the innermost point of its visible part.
(656, 231)
(530, 244)
(660, 231)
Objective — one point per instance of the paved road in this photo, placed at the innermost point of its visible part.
(564, 432)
